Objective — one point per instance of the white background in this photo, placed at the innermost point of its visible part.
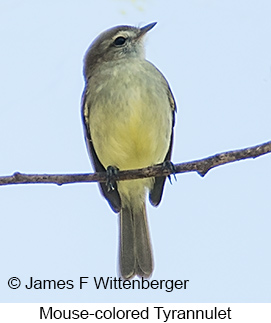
(235, 313)
(213, 231)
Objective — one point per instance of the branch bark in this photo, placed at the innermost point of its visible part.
(201, 166)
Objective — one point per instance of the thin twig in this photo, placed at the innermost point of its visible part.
(201, 166)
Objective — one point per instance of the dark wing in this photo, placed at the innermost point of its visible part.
(159, 182)
(112, 196)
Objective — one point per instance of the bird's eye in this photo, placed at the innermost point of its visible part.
(119, 41)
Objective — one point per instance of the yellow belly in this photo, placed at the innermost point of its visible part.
(136, 136)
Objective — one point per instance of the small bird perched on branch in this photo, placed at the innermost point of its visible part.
(128, 115)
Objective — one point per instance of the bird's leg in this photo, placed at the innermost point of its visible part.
(111, 173)
(167, 164)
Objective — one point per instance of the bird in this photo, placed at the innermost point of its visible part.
(128, 113)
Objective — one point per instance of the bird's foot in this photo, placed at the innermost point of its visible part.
(111, 173)
(167, 164)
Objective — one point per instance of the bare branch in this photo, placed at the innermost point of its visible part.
(201, 166)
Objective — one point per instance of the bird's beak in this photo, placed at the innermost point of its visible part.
(145, 29)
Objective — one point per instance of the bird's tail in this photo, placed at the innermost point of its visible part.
(135, 245)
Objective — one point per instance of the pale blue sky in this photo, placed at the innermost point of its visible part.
(213, 231)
